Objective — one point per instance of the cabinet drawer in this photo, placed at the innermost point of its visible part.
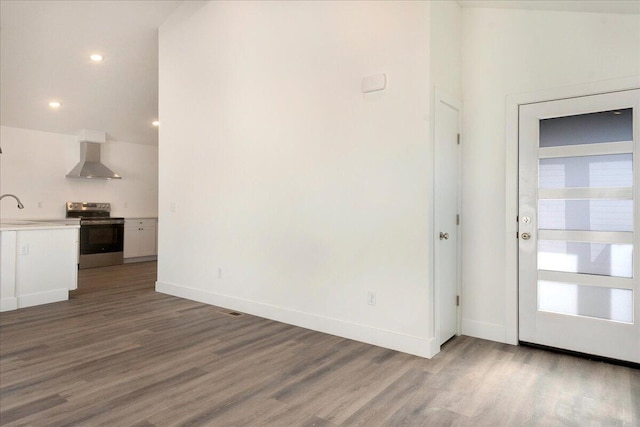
(140, 222)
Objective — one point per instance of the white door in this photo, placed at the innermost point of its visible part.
(579, 224)
(447, 125)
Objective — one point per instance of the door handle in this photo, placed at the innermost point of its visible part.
(525, 236)
(444, 236)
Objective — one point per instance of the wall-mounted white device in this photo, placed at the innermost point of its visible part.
(374, 83)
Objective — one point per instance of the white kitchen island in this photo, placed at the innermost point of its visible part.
(38, 262)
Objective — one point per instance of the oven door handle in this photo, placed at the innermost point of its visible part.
(103, 222)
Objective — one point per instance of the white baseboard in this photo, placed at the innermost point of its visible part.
(39, 298)
(7, 304)
(484, 330)
(388, 339)
(433, 347)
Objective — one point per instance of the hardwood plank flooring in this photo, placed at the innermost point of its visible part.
(120, 354)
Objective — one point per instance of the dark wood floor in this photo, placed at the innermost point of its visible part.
(119, 354)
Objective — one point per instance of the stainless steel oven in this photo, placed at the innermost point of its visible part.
(101, 236)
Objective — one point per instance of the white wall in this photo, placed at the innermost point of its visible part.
(445, 47)
(33, 165)
(507, 52)
(294, 194)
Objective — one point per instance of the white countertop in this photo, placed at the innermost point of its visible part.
(37, 224)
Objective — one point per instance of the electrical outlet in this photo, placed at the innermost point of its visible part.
(40, 204)
(371, 298)
(219, 273)
(172, 206)
(24, 250)
(126, 205)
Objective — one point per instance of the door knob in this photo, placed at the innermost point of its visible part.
(444, 236)
(525, 236)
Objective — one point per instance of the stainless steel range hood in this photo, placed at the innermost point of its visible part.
(90, 165)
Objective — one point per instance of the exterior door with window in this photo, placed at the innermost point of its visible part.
(579, 224)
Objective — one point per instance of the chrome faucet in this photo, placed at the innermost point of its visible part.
(20, 205)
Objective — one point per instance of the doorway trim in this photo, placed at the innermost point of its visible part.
(513, 103)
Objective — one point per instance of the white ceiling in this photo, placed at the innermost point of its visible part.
(45, 48)
(44, 55)
(594, 6)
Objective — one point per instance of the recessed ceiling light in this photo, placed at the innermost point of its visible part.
(155, 123)
(96, 57)
(617, 113)
(55, 104)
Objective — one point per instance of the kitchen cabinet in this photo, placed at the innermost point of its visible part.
(38, 263)
(140, 237)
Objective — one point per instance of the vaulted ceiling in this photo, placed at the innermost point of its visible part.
(44, 56)
(590, 6)
(45, 48)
